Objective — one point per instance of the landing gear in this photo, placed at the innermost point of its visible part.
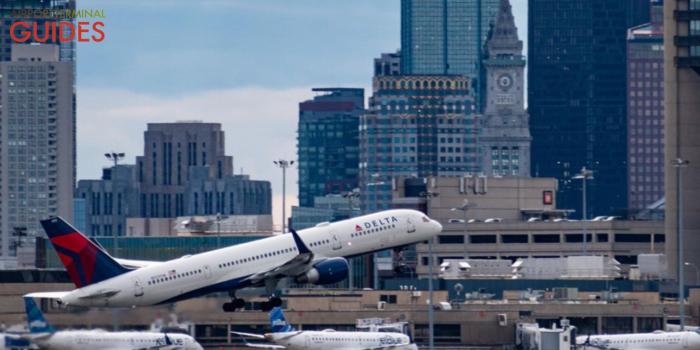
(274, 302)
(235, 303)
(270, 287)
(400, 266)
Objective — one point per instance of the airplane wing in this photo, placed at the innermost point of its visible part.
(294, 267)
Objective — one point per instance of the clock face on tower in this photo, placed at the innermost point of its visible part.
(505, 81)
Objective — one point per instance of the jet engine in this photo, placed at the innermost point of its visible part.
(326, 272)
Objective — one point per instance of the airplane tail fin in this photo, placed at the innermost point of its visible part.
(35, 318)
(85, 262)
(279, 323)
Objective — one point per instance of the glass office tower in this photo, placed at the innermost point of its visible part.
(446, 37)
(577, 98)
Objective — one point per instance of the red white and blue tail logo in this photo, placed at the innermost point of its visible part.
(85, 262)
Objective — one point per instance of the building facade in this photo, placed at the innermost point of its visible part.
(38, 143)
(329, 143)
(505, 138)
(645, 111)
(388, 64)
(446, 37)
(229, 195)
(184, 173)
(577, 97)
(7, 8)
(170, 150)
(682, 107)
(415, 126)
(108, 202)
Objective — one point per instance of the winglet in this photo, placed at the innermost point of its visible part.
(167, 339)
(301, 246)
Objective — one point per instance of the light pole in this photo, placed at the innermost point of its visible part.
(284, 165)
(431, 321)
(375, 183)
(697, 272)
(464, 208)
(218, 230)
(115, 157)
(679, 164)
(584, 175)
(354, 193)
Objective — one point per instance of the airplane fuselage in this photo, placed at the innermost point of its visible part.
(645, 341)
(101, 340)
(332, 340)
(227, 268)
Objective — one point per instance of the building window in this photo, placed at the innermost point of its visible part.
(505, 99)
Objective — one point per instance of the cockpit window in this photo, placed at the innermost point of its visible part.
(426, 219)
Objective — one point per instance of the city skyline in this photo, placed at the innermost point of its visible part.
(123, 83)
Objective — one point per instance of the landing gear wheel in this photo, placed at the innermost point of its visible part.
(265, 306)
(276, 301)
(401, 269)
(228, 307)
(238, 303)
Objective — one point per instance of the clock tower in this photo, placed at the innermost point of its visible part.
(505, 138)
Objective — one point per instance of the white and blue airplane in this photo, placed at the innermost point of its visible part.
(658, 340)
(313, 256)
(45, 337)
(10, 341)
(284, 336)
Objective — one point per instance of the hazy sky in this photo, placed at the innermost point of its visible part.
(245, 64)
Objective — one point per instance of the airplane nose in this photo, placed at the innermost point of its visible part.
(437, 226)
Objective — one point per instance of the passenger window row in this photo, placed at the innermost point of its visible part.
(174, 277)
(373, 230)
(316, 244)
(258, 257)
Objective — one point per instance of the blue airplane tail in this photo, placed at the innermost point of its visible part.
(35, 318)
(279, 323)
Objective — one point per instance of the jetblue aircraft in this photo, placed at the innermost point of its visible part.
(46, 337)
(284, 336)
(658, 340)
(316, 256)
(12, 342)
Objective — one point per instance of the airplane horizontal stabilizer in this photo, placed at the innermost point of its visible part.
(262, 346)
(47, 295)
(251, 335)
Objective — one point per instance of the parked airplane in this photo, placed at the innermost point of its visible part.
(46, 337)
(13, 341)
(317, 258)
(658, 340)
(287, 337)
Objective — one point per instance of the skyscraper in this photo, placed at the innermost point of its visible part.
(445, 37)
(577, 98)
(505, 138)
(645, 111)
(328, 143)
(66, 48)
(416, 126)
(37, 160)
(682, 107)
(170, 151)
